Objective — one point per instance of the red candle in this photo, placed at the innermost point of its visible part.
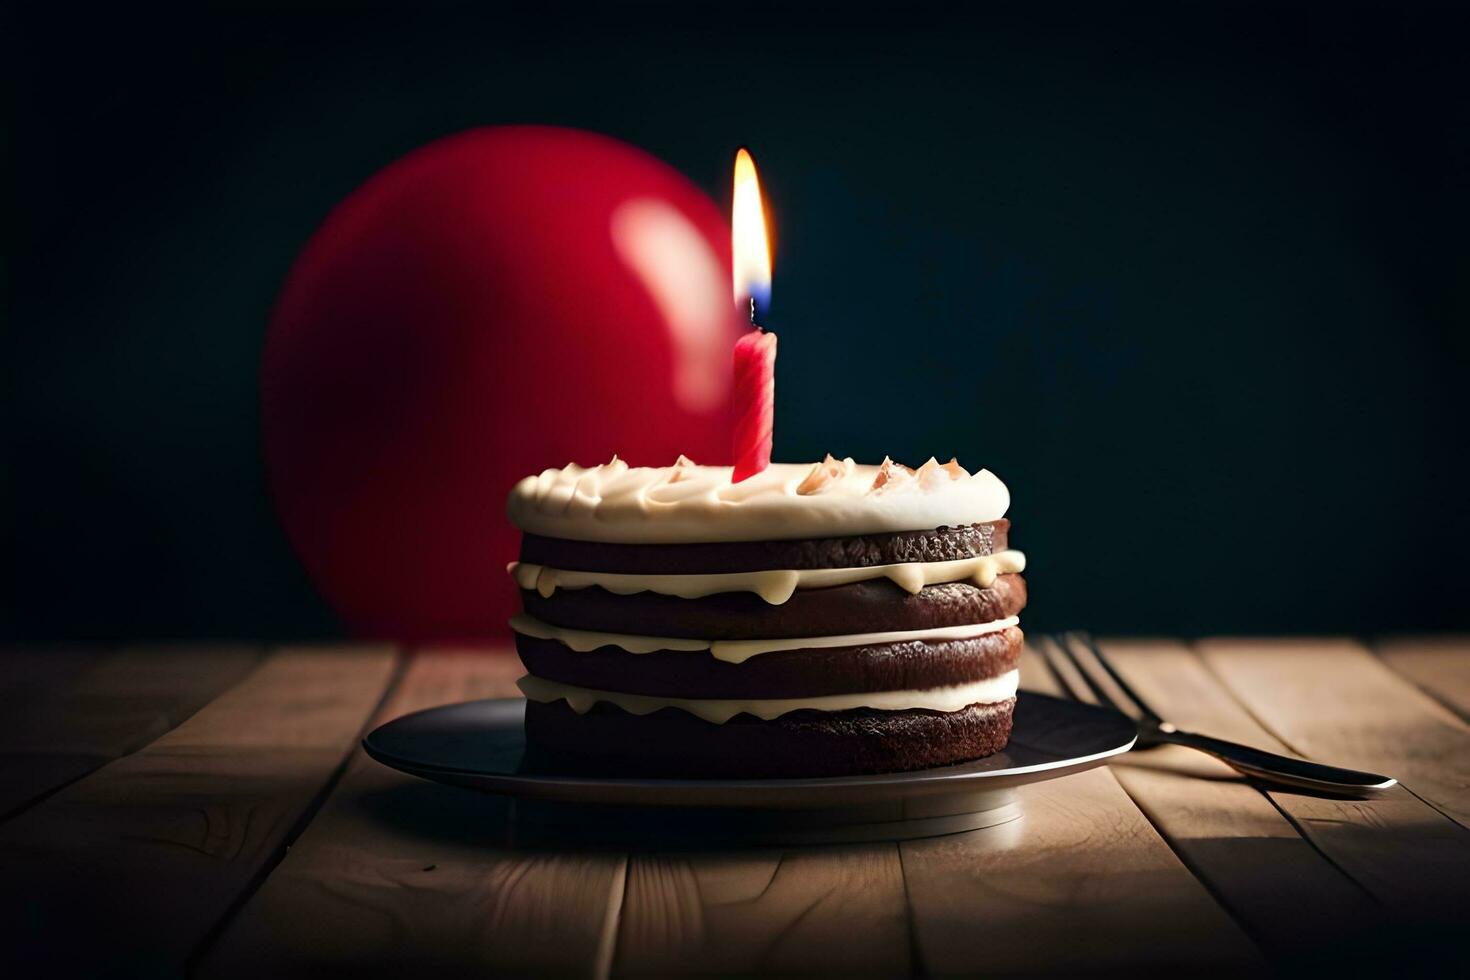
(755, 402)
(755, 352)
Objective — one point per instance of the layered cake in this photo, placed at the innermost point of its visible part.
(817, 619)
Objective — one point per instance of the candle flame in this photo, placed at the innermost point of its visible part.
(751, 249)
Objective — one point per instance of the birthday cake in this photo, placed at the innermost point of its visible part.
(811, 620)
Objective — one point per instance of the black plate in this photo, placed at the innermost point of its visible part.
(481, 745)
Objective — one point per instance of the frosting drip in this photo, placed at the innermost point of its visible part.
(739, 651)
(686, 503)
(773, 585)
(581, 699)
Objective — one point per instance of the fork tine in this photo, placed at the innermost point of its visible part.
(1099, 695)
(1044, 645)
(1050, 654)
(1086, 640)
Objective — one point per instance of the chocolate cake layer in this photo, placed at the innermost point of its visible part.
(875, 606)
(814, 672)
(940, 544)
(803, 743)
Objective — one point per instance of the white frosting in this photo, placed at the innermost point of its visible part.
(687, 503)
(719, 711)
(773, 585)
(739, 651)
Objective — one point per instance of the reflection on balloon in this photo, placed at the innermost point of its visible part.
(685, 278)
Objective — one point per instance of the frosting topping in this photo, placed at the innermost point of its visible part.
(739, 651)
(774, 585)
(688, 503)
(719, 711)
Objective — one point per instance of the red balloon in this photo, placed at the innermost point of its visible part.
(494, 303)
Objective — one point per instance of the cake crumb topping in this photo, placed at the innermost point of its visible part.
(824, 475)
(683, 469)
(891, 475)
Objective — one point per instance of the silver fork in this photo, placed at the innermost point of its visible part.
(1061, 652)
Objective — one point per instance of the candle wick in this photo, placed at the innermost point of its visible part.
(752, 311)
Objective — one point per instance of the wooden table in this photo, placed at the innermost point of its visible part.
(198, 811)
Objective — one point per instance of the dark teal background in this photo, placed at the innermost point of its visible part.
(1192, 279)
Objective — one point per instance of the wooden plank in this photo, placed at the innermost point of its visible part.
(826, 911)
(1081, 883)
(398, 876)
(1410, 857)
(1278, 885)
(1333, 701)
(36, 669)
(1401, 850)
(31, 676)
(91, 710)
(1439, 665)
(128, 870)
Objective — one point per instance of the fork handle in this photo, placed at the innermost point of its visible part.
(1282, 769)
